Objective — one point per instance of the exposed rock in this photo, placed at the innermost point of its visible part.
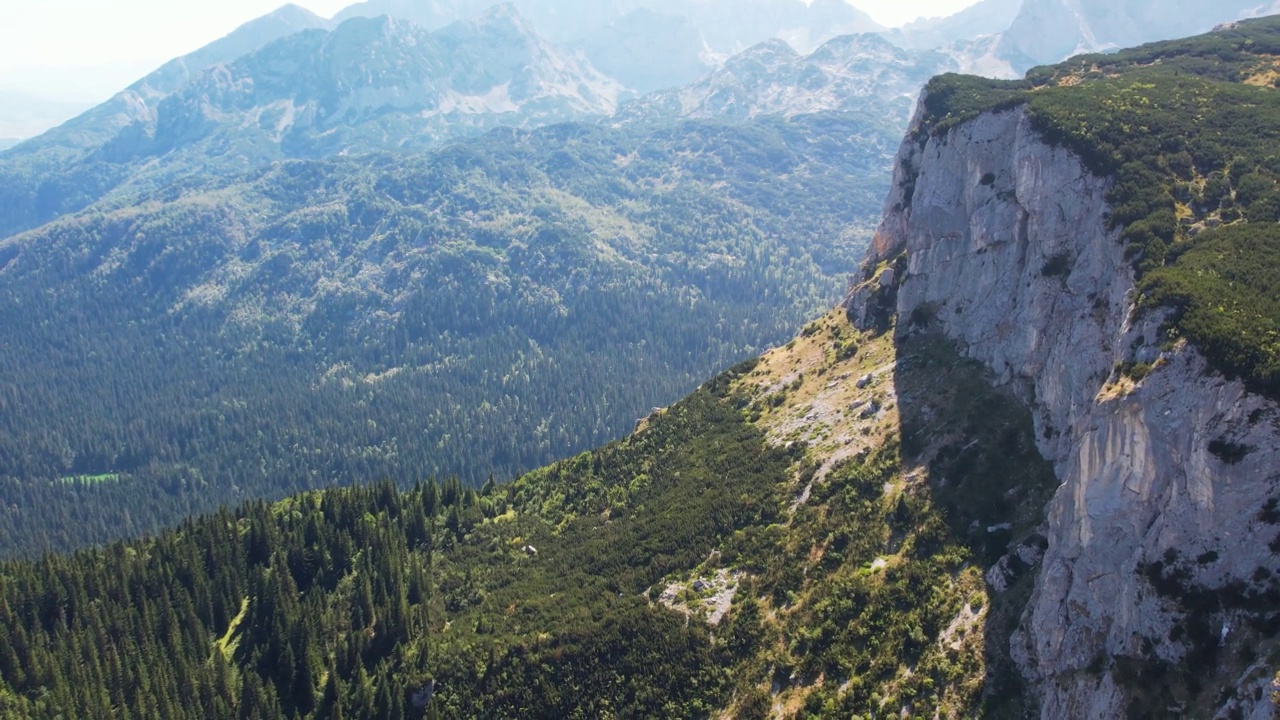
(871, 409)
(1139, 483)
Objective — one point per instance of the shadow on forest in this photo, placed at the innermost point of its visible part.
(976, 444)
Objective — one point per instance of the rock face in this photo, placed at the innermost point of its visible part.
(1158, 536)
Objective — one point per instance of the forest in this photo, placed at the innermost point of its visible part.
(1189, 130)
(572, 591)
(478, 312)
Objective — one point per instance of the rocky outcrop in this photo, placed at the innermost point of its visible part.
(1161, 538)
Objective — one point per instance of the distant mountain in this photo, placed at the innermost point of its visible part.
(63, 169)
(368, 84)
(729, 25)
(988, 17)
(24, 115)
(853, 73)
(1048, 31)
(138, 102)
(647, 51)
(713, 28)
(6, 143)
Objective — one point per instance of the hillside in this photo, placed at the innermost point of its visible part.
(801, 553)
(477, 311)
(953, 496)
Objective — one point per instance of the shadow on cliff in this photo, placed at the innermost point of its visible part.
(976, 446)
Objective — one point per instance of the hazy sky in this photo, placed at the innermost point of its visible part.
(72, 49)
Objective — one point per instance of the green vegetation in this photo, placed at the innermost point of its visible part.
(479, 311)
(1190, 130)
(549, 596)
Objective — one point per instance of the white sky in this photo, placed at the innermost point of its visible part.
(73, 49)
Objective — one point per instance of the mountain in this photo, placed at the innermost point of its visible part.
(1027, 468)
(854, 73)
(651, 45)
(988, 17)
(366, 85)
(1135, 314)
(253, 35)
(6, 143)
(729, 26)
(62, 170)
(24, 115)
(477, 311)
(648, 51)
(1047, 31)
(139, 100)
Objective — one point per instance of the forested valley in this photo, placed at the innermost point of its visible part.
(474, 312)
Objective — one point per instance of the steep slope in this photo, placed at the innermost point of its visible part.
(480, 310)
(1064, 231)
(367, 85)
(780, 543)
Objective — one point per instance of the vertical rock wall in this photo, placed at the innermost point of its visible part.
(1160, 565)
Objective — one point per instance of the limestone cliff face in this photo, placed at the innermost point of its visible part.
(1158, 557)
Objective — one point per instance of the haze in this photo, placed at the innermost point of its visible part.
(86, 50)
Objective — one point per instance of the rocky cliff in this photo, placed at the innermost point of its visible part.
(1162, 536)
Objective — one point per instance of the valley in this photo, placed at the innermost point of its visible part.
(375, 367)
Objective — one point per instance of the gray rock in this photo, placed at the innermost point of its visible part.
(1137, 479)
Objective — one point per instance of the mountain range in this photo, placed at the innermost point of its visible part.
(1027, 468)
(186, 190)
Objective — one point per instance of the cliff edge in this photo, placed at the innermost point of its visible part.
(1158, 586)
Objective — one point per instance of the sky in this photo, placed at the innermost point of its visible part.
(85, 50)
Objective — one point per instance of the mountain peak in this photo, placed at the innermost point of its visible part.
(505, 17)
(773, 48)
(295, 13)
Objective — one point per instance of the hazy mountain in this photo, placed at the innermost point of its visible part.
(647, 50)
(854, 73)
(1048, 31)
(368, 84)
(139, 100)
(988, 17)
(24, 115)
(255, 34)
(6, 143)
(651, 44)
